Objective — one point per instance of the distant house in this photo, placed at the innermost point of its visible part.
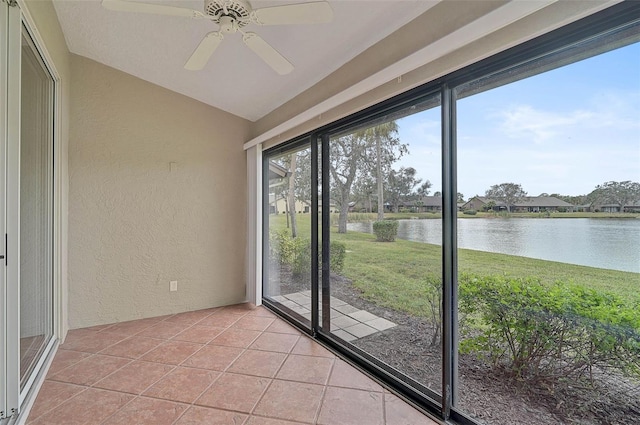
(526, 204)
(615, 208)
(423, 204)
(480, 203)
(429, 204)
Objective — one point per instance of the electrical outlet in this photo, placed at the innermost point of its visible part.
(173, 285)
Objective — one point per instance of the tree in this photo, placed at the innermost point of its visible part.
(400, 185)
(354, 156)
(292, 195)
(423, 189)
(509, 193)
(364, 189)
(618, 193)
(295, 187)
(460, 197)
(346, 155)
(388, 149)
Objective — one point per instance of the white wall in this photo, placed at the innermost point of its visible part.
(137, 221)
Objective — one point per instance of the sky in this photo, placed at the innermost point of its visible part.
(563, 131)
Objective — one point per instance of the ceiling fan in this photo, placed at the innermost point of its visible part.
(232, 16)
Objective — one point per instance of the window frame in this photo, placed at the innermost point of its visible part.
(555, 48)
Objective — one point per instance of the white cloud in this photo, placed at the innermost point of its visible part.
(525, 122)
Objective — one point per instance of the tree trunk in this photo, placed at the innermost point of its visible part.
(344, 211)
(292, 196)
(379, 178)
(286, 209)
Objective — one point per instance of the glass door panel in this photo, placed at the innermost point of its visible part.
(287, 271)
(36, 201)
(549, 256)
(385, 242)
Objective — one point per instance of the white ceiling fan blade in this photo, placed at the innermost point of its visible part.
(203, 52)
(157, 9)
(267, 53)
(318, 12)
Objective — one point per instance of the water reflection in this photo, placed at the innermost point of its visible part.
(604, 243)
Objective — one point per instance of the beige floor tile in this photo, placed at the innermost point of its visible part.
(282, 327)
(64, 359)
(258, 363)
(147, 411)
(221, 319)
(133, 327)
(308, 347)
(235, 337)
(345, 375)
(268, 341)
(213, 357)
(189, 317)
(135, 377)
(234, 392)
(313, 370)
(239, 308)
(397, 412)
(259, 420)
(90, 407)
(293, 401)
(164, 330)
(346, 406)
(283, 378)
(90, 370)
(199, 334)
(132, 347)
(254, 323)
(208, 416)
(172, 352)
(51, 395)
(182, 384)
(94, 343)
(261, 311)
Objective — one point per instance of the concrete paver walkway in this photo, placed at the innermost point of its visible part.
(347, 322)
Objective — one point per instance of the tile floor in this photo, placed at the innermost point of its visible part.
(234, 365)
(347, 322)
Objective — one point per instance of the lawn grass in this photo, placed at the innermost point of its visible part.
(397, 274)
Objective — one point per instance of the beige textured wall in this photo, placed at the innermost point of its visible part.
(136, 223)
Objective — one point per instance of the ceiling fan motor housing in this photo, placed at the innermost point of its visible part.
(238, 10)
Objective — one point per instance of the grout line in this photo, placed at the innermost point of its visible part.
(84, 388)
(384, 407)
(324, 392)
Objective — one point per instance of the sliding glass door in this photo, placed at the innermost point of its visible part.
(287, 267)
(384, 242)
(26, 211)
(36, 209)
(474, 242)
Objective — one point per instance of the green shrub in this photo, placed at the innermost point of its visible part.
(282, 246)
(470, 212)
(337, 253)
(548, 331)
(385, 230)
(296, 252)
(301, 266)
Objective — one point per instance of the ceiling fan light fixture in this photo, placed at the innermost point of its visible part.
(232, 16)
(239, 10)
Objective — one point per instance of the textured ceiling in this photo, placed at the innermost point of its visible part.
(155, 48)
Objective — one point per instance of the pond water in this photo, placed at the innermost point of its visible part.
(603, 243)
